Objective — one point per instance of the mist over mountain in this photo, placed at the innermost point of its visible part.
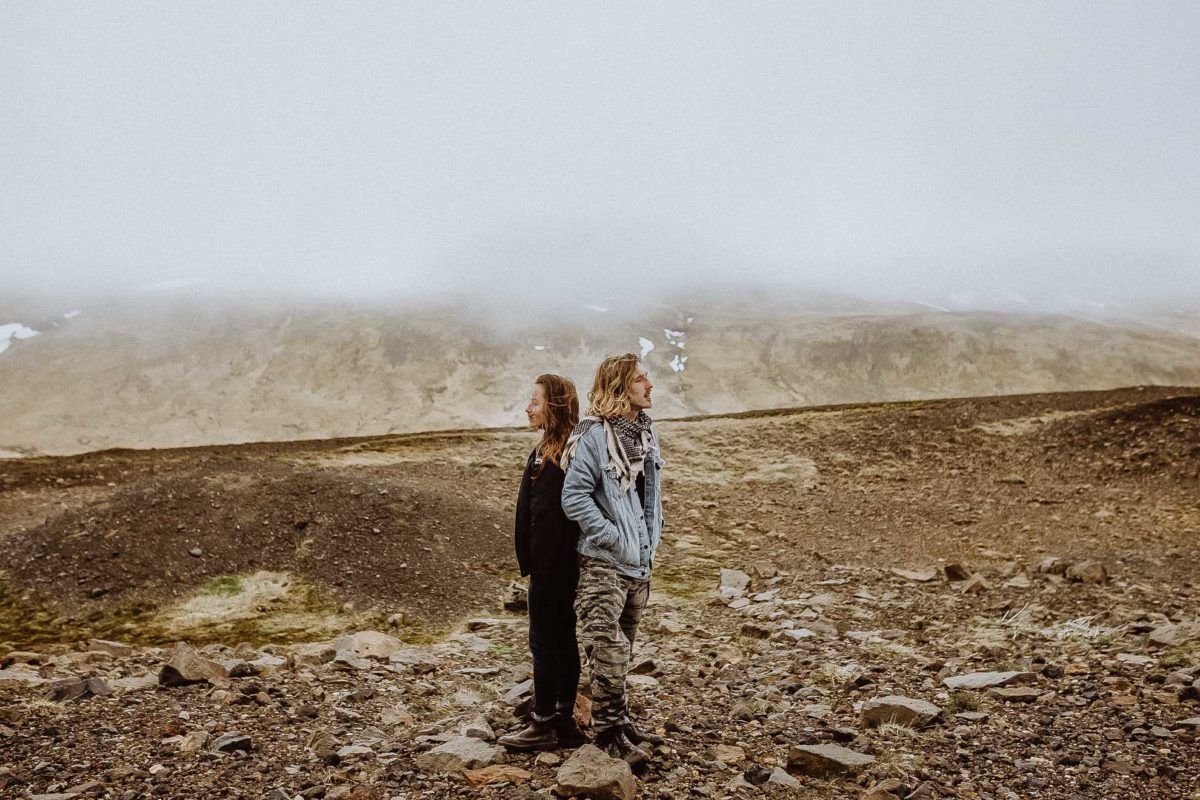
(176, 368)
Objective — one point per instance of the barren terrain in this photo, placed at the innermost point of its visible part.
(815, 561)
(184, 371)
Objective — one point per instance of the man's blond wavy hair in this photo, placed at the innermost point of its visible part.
(613, 386)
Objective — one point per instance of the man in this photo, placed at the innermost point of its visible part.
(612, 490)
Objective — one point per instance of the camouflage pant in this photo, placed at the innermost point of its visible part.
(609, 606)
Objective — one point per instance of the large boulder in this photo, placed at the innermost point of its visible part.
(592, 773)
(900, 710)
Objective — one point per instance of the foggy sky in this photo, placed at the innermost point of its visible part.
(911, 150)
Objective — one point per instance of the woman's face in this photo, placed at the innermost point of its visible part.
(536, 410)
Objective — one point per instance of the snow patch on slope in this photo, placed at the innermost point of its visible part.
(14, 330)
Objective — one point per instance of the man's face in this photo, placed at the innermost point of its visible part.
(639, 396)
(536, 410)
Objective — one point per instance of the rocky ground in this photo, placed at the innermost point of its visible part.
(984, 598)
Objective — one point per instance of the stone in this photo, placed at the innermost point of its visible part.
(1018, 582)
(395, 716)
(797, 634)
(976, 584)
(229, 742)
(887, 789)
(548, 759)
(368, 644)
(354, 751)
(186, 666)
(779, 779)
(1173, 635)
(1052, 565)
(728, 753)
(194, 742)
(311, 654)
(821, 760)
(734, 582)
(1191, 722)
(1087, 572)
(515, 598)
(118, 649)
(956, 573)
(592, 773)
(482, 623)
(1016, 694)
(460, 754)
(347, 661)
(136, 683)
(917, 575)
(752, 630)
(516, 693)
(479, 728)
(72, 689)
(496, 773)
(20, 676)
(986, 680)
(900, 710)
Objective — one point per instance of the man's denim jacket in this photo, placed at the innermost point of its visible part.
(614, 527)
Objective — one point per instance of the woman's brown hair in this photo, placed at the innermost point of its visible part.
(613, 387)
(561, 415)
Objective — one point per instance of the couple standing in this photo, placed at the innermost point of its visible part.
(589, 519)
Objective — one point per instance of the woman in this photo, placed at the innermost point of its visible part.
(546, 541)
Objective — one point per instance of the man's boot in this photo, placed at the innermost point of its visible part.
(538, 735)
(639, 735)
(614, 742)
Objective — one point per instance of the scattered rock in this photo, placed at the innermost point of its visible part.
(1052, 565)
(821, 760)
(955, 573)
(1173, 635)
(1016, 694)
(368, 644)
(734, 582)
(987, 680)
(229, 742)
(779, 779)
(479, 728)
(186, 666)
(460, 754)
(592, 773)
(976, 585)
(920, 576)
(900, 710)
(496, 773)
(1087, 572)
(72, 689)
(728, 754)
(194, 742)
(515, 598)
(116, 649)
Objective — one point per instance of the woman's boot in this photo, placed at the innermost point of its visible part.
(538, 735)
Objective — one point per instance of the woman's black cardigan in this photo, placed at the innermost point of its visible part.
(545, 538)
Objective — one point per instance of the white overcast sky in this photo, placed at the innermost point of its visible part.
(891, 149)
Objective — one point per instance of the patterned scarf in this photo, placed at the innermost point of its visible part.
(629, 434)
(627, 443)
